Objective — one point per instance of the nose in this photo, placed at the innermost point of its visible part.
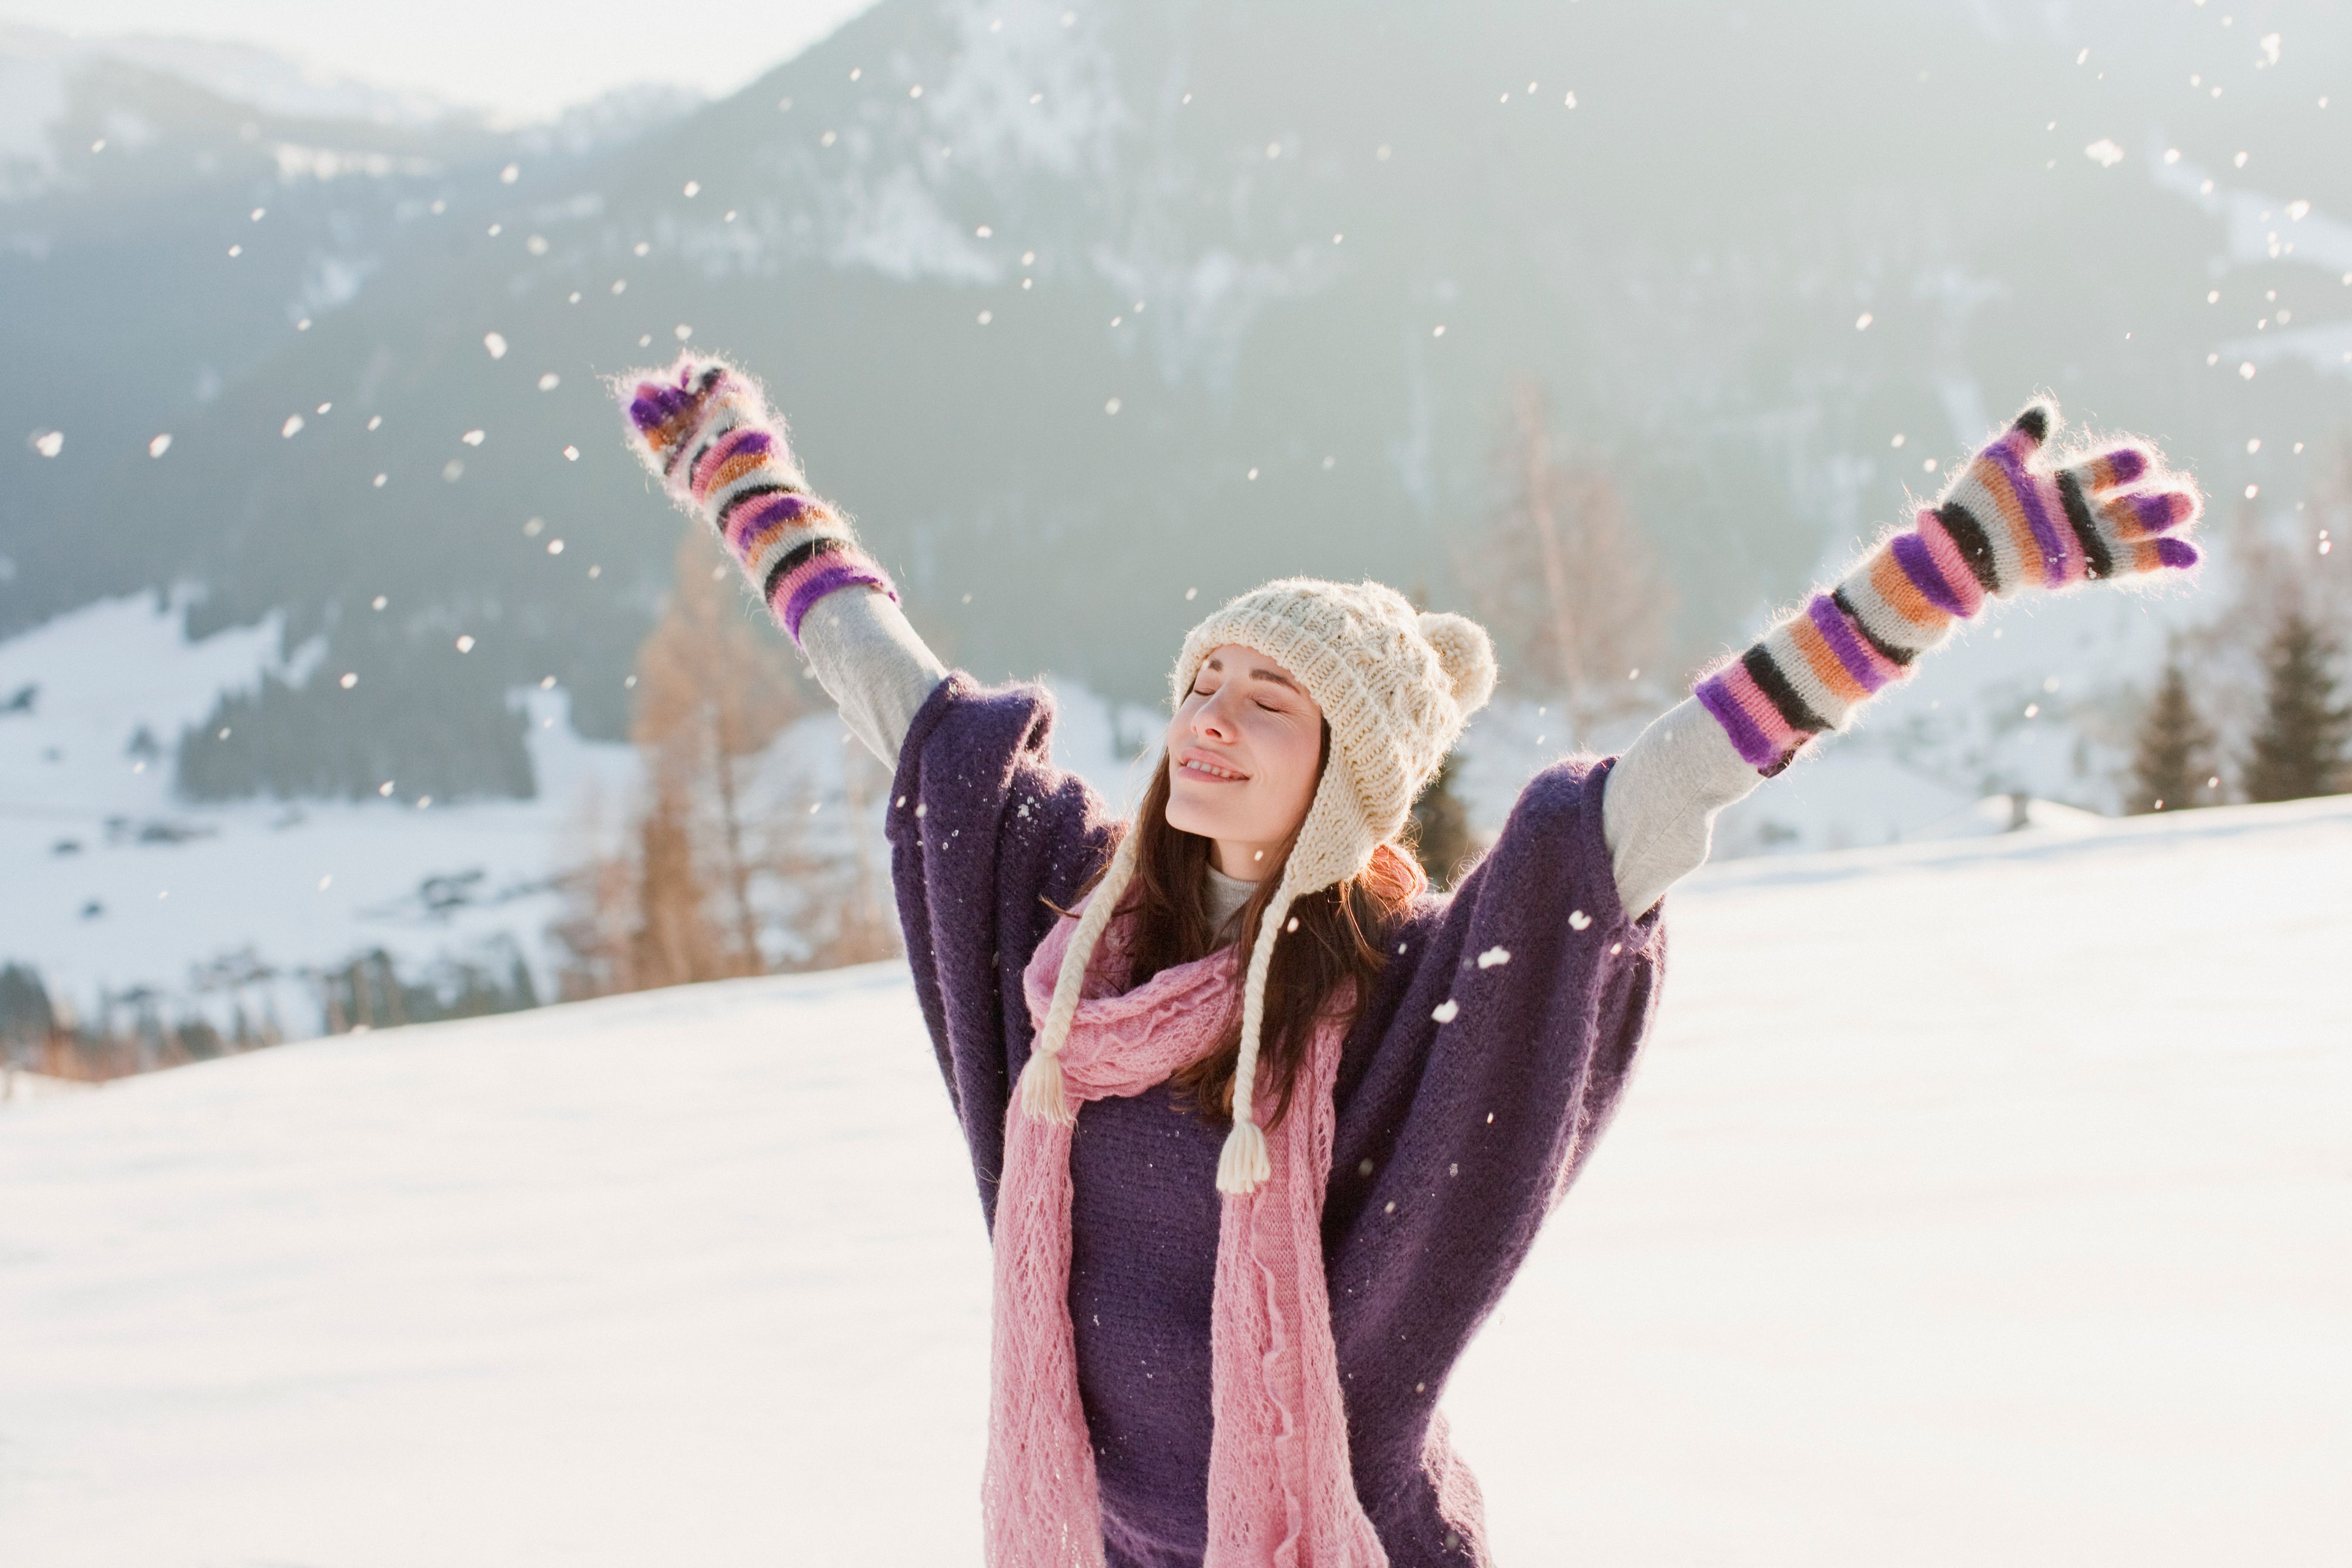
(1211, 717)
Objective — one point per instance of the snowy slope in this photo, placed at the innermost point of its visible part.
(1979, 1202)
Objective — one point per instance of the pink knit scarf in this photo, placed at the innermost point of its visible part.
(1279, 1489)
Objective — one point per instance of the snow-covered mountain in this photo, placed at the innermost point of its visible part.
(2047, 1272)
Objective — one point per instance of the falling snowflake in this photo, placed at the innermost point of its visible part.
(1111, 406)
(293, 426)
(1444, 1011)
(49, 442)
(550, 381)
(472, 437)
(1578, 920)
(1494, 956)
(466, 644)
(1862, 322)
(2104, 153)
(349, 681)
(159, 446)
(509, 174)
(571, 455)
(496, 344)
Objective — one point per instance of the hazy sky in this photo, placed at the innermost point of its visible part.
(520, 59)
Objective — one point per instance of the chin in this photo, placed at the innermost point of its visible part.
(1186, 817)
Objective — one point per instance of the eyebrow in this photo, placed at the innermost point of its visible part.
(1257, 674)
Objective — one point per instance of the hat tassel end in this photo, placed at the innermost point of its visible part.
(1243, 1167)
(1042, 1094)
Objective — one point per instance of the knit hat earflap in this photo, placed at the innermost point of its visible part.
(1397, 686)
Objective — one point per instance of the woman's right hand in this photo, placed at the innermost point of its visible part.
(704, 430)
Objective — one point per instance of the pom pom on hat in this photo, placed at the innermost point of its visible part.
(1465, 652)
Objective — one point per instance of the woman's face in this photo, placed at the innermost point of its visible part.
(1242, 754)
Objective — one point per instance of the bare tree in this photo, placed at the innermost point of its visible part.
(1562, 578)
(827, 856)
(711, 853)
(593, 933)
(713, 691)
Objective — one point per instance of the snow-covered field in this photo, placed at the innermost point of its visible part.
(1979, 1202)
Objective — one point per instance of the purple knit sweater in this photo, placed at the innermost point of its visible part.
(1453, 1142)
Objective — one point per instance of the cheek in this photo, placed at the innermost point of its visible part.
(1298, 747)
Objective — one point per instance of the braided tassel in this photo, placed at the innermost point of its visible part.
(1245, 1163)
(1042, 1092)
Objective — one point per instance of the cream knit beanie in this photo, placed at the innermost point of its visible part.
(1396, 687)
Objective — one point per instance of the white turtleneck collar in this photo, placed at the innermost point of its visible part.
(1226, 895)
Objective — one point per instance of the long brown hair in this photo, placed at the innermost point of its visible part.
(1339, 938)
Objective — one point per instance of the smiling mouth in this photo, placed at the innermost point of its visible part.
(1219, 775)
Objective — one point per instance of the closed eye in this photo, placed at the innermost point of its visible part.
(1269, 707)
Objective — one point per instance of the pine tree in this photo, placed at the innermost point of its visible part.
(2299, 750)
(1442, 837)
(2171, 759)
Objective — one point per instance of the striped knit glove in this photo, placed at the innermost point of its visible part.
(704, 430)
(2010, 521)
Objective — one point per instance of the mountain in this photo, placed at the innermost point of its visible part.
(1742, 249)
(2050, 1274)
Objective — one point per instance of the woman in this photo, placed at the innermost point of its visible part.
(1263, 1126)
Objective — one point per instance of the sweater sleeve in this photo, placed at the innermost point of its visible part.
(1474, 1089)
(983, 828)
(1661, 800)
(872, 663)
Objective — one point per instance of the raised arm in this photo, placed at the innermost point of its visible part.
(704, 430)
(2012, 521)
